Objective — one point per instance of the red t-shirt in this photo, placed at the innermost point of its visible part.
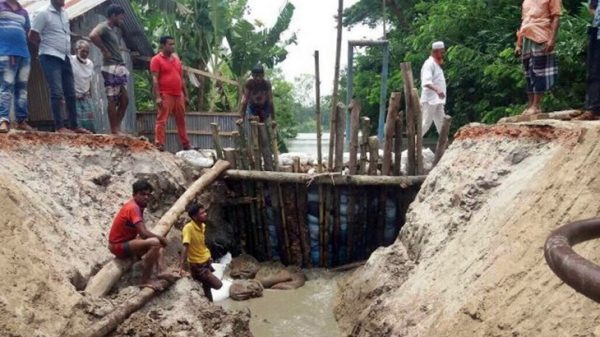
(123, 226)
(169, 74)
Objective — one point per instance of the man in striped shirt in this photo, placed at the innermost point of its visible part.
(15, 63)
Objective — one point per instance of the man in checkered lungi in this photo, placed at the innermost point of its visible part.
(536, 39)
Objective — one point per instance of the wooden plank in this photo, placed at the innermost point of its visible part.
(198, 72)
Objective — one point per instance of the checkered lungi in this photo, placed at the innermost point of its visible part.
(115, 79)
(541, 69)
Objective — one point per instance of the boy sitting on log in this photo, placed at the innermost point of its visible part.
(196, 253)
(129, 237)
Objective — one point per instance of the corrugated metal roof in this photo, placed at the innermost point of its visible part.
(74, 8)
(135, 38)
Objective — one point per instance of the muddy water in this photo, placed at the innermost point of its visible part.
(303, 312)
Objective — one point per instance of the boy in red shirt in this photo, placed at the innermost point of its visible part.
(129, 237)
(169, 92)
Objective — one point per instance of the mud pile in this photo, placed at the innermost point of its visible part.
(469, 261)
(58, 195)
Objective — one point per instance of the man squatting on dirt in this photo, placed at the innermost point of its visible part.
(129, 237)
(196, 253)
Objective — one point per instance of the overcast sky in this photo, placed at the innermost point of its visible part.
(315, 26)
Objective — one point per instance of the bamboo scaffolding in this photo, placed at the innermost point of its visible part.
(407, 76)
(217, 140)
(442, 143)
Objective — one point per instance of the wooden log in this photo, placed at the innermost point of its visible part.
(351, 209)
(334, 97)
(266, 147)
(410, 117)
(272, 135)
(398, 145)
(442, 143)
(254, 140)
(101, 283)
(339, 138)
(230, 155)
(365, 126)
(373, 155)
(318, 112)
(390, 129)
(217, 140)
(418, 132)
(112, 320)
(244, 148)
(243, 213)
(262, 226)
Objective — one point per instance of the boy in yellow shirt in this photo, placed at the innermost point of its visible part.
(195, 251)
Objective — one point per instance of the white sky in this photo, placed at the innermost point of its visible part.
(315, 27)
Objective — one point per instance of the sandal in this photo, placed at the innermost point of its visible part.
(4, 127)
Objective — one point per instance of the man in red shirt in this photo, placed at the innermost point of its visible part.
(169, 92)
(129, 237)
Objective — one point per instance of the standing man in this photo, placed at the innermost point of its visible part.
(592, 96)
(433, 88)
(196, 253)
(169, 92)
(83, 71)
(258, 97)
(15, 63)
(129, 237)
(106, 37)
(536, 39)
(51, 34)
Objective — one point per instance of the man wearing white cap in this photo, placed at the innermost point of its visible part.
(433, 88)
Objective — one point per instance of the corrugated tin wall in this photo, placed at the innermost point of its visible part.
(197, 125)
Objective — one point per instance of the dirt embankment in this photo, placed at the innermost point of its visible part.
(58, 195)
(469, 261)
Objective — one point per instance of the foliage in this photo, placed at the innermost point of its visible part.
(485, 80)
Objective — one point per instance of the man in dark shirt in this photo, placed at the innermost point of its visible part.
(258, 97)
(106, 36)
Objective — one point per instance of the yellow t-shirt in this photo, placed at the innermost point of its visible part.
(193, 235)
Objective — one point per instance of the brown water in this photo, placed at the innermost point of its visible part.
(303, 312)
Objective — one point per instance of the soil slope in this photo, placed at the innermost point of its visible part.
(58, 195)
(469, 261)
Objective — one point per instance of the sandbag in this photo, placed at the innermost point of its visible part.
(242, 290)
(243, 267)
(268, 276)
(298, 279)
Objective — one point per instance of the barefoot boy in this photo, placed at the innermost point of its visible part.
(196, 253)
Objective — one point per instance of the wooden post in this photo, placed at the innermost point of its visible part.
(418, 132)
(265, 147)
(230, 156)
(217, 140)
(101, 283)
(272, 135)
(365, 126)
(371, 214)
(239, 141)
(336, 76)
(339, 138)
(300, 197)
(398, 145)
(351, 209)
(390, 128)
(244, 213)
(442, 143)
(318, 112)
(246, 143)
(410, 117)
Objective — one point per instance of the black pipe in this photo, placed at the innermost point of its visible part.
(579, 273)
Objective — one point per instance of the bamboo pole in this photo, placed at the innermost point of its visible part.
(365, 126)
(390, 129)
(260, 189)
(442, 143)
(373, 155)
(419, 131)
(111, 321)
(351, 209)
(372, 215)
(246, 150)
(230, 156)
(407, 76)
(266, 146)
(339, 166)
(101, 283)
(272, 136)
(339, 138)
(334, 97)
(217, 140)
(242, 212)
(322, 219)
(398, 145)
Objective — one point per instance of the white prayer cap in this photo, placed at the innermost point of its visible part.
(437, 45)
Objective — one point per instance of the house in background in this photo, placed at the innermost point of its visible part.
(84, 15)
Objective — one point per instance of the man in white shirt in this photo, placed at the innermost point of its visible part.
(83, 71)
(433, 88)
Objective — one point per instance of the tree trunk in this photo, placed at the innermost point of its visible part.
(101, 283)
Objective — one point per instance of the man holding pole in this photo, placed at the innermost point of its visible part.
(169, 92)
(433, 88)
